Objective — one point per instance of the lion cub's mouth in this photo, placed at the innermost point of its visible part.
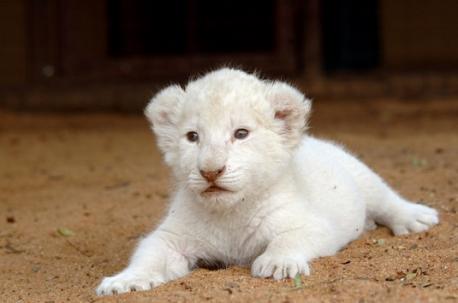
(214, 189)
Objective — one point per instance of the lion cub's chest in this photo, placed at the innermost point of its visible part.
(235, 241)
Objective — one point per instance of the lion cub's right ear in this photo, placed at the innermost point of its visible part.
(163, 112)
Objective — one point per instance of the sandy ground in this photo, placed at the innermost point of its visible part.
(77, 192)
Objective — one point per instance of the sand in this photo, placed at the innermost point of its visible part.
(77, 191)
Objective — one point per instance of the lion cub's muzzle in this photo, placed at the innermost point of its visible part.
(212, 175)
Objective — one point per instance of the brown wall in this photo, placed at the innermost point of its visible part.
(13, 42)
(419, 33)
(70, 38)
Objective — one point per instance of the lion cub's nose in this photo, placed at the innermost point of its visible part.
(211, 176)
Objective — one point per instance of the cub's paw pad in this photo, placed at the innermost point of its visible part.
(126, 282)
(279, 266)
(415, 218)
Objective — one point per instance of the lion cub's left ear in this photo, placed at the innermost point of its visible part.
(163, 112)
(291, 110)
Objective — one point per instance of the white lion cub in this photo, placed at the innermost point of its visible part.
(253, 189)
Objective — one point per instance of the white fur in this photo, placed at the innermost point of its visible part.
(292, 197)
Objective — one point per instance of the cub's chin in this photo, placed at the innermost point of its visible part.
(216, 197)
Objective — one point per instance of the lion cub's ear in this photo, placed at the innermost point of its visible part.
(291, 110)
(163, 113)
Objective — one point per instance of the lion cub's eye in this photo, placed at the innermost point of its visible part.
(192, 136)
(241, 133)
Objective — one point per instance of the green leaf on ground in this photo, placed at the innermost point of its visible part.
(65, 232)
(298, 281)
(417, 162)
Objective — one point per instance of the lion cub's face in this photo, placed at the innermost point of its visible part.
(228, 135)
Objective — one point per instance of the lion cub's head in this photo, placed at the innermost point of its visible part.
(228, 135)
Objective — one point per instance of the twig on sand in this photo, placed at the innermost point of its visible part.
(84, 253)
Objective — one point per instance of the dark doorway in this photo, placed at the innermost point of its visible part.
(350, 35)
(143, 27)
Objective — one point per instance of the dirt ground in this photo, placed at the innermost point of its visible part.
(77, 192)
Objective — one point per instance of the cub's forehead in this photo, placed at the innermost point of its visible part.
(225, 93)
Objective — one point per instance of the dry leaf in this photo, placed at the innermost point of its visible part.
(411, 276)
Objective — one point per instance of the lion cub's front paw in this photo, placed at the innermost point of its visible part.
(128, 281)
(279, 266)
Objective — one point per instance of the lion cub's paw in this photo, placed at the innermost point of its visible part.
(414, 218)
(279, 266)
(126, 282)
